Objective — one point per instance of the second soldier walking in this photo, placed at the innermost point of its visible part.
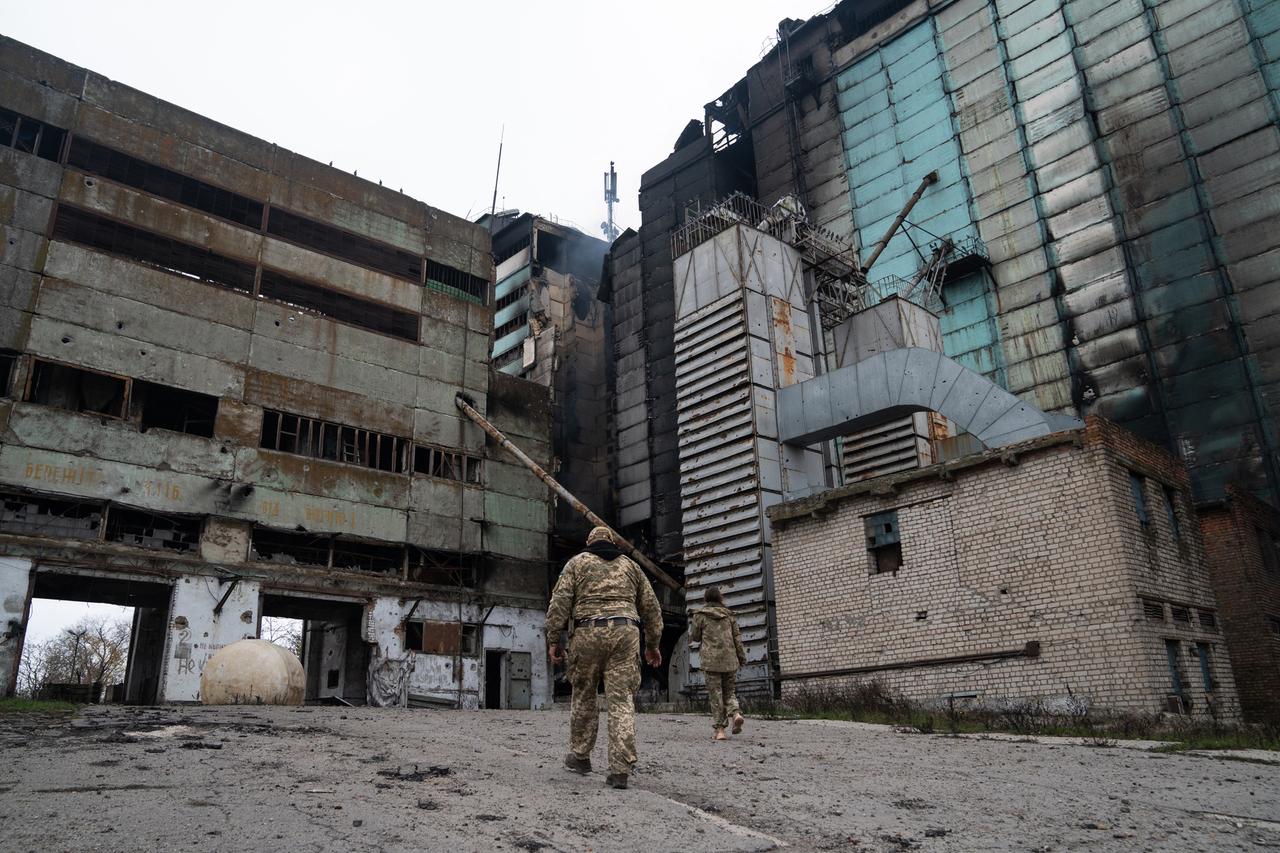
(606, 596)
(722, 655)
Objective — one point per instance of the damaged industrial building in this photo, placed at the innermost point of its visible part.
(946, 329)
(229, 382)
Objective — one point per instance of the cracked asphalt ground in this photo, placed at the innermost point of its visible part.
(374, 779)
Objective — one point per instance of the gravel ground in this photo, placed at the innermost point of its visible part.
(369, 779)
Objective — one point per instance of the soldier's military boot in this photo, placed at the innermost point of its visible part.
(576, 764)
(616, 780)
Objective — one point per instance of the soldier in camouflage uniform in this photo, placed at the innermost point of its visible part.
(605, 595)
(721, 654)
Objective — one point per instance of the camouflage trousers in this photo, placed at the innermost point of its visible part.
(612, 651)
(722, 696)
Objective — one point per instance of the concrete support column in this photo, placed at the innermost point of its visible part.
(196, 631)
(15, 599)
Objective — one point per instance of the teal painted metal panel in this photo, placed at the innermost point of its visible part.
(511, 282)
(511, 311)
(510, 341)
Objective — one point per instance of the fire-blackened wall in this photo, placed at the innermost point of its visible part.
(231, 370)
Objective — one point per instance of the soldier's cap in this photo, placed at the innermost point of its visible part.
(601, 534)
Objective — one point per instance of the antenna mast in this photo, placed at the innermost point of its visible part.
(493, 208)
(610, 196)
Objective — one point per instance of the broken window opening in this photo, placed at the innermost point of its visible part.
(1153, 610)
(144, 247)
(76, 389)
(1180, 614)
(34, 515)
(445, 464)
(1206, 667)
(350, 247)
(442, 638)
(442, 568)
(152, 530)
(510, 326)
(342, 307)
(509, 299)
(162, 407)
(30, 136)
(290, 549)
(8, 358)
(1138, 485)
(883, 542)
(1177, 700)
(325, 440)
(1269, 550)
(455, 282)
(368, 557)
(511, 250)
(1208, 620)
(158, 181)
(1171, 509)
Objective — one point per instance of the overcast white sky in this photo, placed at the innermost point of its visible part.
(416, 94)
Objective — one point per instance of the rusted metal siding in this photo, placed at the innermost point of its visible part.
(741, 332)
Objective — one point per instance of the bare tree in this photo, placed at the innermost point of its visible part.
(96, 649)
(283, 632)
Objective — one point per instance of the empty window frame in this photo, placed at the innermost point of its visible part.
(152, 530)
(339, 306)
(442, 568)
(1208, 620)
(289, 548)
(445, 464)
(456, 282)
(30, 136)
(8, 359)
(354, 248)
(883, 542)
(161, 407)
(1153, 610)
(1269, 551)
(324, 440)
(1138, 486)
(509, 298)
(77, 389)
(1177, 682)
(144, 247)
(442, 638)
(1180, 614)
(1204, 655)
(35, 515)
(368, 557)
(99, 160)
(1171, 510)
(510, 326)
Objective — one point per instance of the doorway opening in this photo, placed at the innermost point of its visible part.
(334, 654)
(109, 651)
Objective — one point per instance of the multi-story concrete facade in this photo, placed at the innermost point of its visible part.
(1067, 568)
(229, 381)
(1113, 163)
(1242, 543)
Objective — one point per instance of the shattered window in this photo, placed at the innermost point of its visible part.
(456, 282)
(34, 515)
(30, 135)
(325, 440)
(441, 568)
(288, 548)
(152, 530)
(445, 464)
(339, 306)
(883, 542)
(368, 557)
(76, 389)
(161, 407)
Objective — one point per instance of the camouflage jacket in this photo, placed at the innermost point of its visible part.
(591, 586)
(716, 628)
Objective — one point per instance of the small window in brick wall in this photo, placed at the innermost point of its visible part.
(1208, 620)
(1181, 614)
(1138, 485)
(883, 542)
(1153, 610)
(1171, 509)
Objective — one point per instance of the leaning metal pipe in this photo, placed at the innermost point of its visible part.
(929, 179)
(467, 409)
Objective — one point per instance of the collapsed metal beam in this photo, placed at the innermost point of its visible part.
(479, 420)
(929, 180)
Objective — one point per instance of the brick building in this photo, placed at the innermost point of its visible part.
(1242, 547)
(1069, 565)
(229, 381)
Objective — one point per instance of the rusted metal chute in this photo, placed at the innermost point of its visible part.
(648, 565)
(929, 180)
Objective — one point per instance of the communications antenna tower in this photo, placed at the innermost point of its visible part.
(610, 196)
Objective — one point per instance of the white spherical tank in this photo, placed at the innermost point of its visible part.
(252, 672)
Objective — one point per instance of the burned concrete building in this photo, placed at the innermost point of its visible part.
(229, 381)
(550, 328)
(1079, 191)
